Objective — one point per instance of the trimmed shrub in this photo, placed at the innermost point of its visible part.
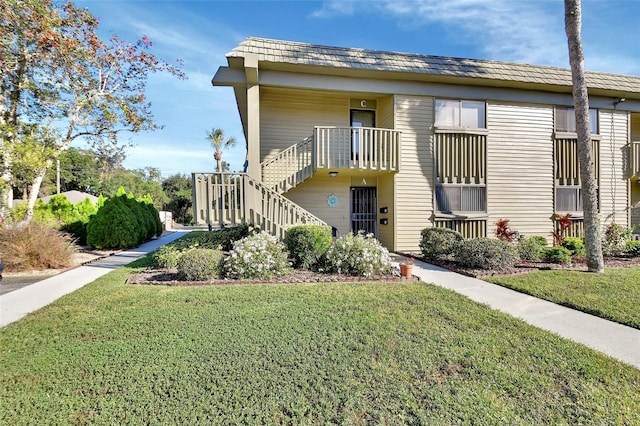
(614, 241)
(531, 249)
(114, 226)
(633, 248)
(145, 228)
(200, 264)
(168, 255)
(575, 245)
(307, 245)
(223, 238)
(558, 254)
(258, 256)
(437, 242)
(486, 253)
(358, 255)
(78, 226)
(35, 247)
(147, 203)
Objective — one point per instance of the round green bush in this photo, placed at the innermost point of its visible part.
(146, 228)
(223, 238)
(167, 256)
(358, 255)
(307, 245)
(575, 245)
(486, 253)
(258, 256)
(113, 227)
(614, 241)
(531, 249)
(558, 254)
(200, 264)
(437, 242)
(157, 227)
(633, 248)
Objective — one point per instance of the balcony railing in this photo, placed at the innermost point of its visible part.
(634, 159)
(361, 148)
(354, 148)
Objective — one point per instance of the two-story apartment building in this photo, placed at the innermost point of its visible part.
(392, 143)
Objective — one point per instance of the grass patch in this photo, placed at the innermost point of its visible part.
(614, 295)
(400, 353)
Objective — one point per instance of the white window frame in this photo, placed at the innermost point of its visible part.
(455, 114)
(567, 124)
(464, 198)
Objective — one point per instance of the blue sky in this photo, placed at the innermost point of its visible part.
(202, 32)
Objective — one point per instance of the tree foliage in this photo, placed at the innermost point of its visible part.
(58, 73)
(216, 138)
(177, 188)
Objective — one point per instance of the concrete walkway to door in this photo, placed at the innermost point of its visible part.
(613, 339)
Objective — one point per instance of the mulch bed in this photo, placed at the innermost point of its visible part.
(160, 276)
(167, 277)
(578, 264)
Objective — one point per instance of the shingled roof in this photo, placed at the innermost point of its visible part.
(287, 52)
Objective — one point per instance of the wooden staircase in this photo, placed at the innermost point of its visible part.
(221, 199)
(290, 167)
(230, 199)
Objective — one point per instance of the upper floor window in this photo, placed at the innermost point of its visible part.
(566, 120)
(460, 113)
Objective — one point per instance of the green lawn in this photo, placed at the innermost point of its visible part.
(396, 353)
(614, 295)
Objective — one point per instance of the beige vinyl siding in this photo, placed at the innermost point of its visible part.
(520, 181)
(414, 182)
(384, 113)
(613, 174)
(312, 196)
(288, 116)
(386, 198)
(386, 183)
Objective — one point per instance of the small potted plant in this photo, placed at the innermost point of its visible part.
(406, 267)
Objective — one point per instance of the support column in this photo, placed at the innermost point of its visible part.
(253, 117)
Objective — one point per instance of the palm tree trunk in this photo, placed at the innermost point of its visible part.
(593, 244)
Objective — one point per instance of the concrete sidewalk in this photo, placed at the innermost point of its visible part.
(613, 339)
(18, 303)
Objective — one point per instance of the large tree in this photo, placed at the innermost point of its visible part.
(58, 73)
(593, 243)
(79, 171)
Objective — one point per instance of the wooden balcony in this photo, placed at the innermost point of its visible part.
(335, 148)
(634, 159)
(356, 148)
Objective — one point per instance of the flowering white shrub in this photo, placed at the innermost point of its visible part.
(260, 256)
(358, 254)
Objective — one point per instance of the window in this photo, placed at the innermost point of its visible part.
(461, 198)
(566, 120)
(460, 161)
(568, 189)
(460, 113)
(569, 199)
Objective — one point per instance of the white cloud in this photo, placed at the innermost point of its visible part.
(502, 29)
(525, 31)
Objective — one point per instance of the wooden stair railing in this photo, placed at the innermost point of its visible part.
(233, 198)
(290, 167)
